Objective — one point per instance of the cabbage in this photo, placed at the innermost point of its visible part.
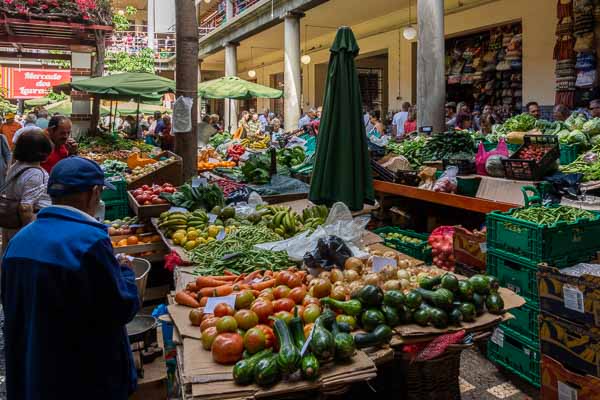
(592, 127)
(563, 136)
(577, 137)
(575, 121)
(494, 166)
(595, 140)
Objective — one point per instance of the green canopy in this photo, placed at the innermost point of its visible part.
(138, 86)
(42, 101)
(65, 107)
(130, 108)
(232, 87)
(342, 170)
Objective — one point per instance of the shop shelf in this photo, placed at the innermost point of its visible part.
(525, 321)
(120, 192)
(531, 170)
(116, 210)
(513, 274)
(515, 353)
(421, 251)
(568, 153)
(560, 245)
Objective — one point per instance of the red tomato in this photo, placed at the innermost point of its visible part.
(263, 309)
(145, 187)
(283, 278)
(255, 340)
(227, 324)
(207, 323)
(283, 305)
(156, 200)
(246, 319)
(281, 292)
(227, 348)
(223, 309)
(297, 294)
(300, 311)
(284, 315)
(208, 337)
(311, 300)
(269, 335)
(294, 281)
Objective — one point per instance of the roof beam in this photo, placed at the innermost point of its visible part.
(56, 24)
(35, 56)
(37, 40)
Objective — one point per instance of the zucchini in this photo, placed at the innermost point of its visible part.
(266, 371)
(243, 370)
(441, 298)
(344, 344)
(370, 295)
(346, 323)
(413, 300)
(393, 298)
(449, 282)
(288, 357)
(297, 330)
(428, 282)
(380, 335)
(371, 318)
(391, 315)
(494, 303)
(322, 344)
(438, 318)
(309, 367)
(351, 307)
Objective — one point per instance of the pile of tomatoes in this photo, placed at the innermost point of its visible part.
(148, 195)
(533, 153)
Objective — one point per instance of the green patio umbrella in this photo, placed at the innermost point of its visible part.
(234, 88)
(65, 107)
(42, 101)
(342, 170)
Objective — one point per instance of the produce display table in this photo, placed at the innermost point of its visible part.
(505, 190)
(483, 206)
(171, 173)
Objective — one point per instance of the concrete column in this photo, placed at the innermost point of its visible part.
(200, 102)
(431, 83)
(231, 118)
(151, 23)
(81, 114)
(292, 71)
(229, 10)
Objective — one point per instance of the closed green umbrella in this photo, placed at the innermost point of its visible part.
(232, 87)
(342, 170)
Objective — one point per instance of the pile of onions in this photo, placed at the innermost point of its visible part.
(442, 249)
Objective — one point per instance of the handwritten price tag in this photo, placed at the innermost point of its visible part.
(380, 262)
(212, 302)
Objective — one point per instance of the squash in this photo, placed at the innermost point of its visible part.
(370, 295)
(516, 137)
(371, 318)
(297, 330)
(266, 371)
(442, 298)
(344, 344)
(391, 315)
(309, 367)
(322, 344)
(243, 371)
(350, 307)
(380, 335)
(288, 358)
(494, 303)
(393, 298)
(134, 160)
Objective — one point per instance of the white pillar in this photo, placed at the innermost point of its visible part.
(292, 71)
(431, 83)
(81, 113)
(151, 23)
(229, 10)
(231, 117)
(200, 110)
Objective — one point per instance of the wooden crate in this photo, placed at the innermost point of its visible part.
(138, 248)
(150, 211)
(172, 173)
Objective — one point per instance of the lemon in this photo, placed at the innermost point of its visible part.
(183, 231)
(190, 245)
(213, 231)
(191, 229)
(193, 235)
(179, 237)
(201, 240)
(210, 239)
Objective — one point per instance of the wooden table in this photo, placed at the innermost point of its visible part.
(473, 204)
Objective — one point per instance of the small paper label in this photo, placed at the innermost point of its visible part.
(199, 181)
(380, 262)
(211, 217)
(308, 339)
(573, 298)
(566, 392)
(177, 209)
(213, 160)
(212, 302)
(221, 234)
(483, 247)
(498, 337)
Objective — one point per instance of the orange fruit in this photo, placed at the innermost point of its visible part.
(122, 243)
(132, 240)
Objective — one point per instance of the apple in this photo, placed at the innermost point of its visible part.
(145, 187)
(140, 199)
(156, 200)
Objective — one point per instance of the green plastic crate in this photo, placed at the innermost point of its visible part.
(489, 146)
(120, 192)
(568, 153)
(464, 186)
(526, 320)
(421, 251)
(513, 274)
(560, 245)
(515, 353)
(116, 210)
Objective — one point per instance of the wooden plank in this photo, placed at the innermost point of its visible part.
(446, 199)
(56, 24)
(35, 56)
(43, 40)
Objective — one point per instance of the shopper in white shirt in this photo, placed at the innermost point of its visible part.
(399, 120)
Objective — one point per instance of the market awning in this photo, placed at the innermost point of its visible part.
(65, 107)
(232, 87)
(130, 108)
(137, 86)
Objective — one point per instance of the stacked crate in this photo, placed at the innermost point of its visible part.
(570, 331)
(115, 201)
(515, 248)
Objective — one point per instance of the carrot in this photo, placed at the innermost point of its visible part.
(186, 300)
(222, 290)
(252, 276)
(238, 287)
(263, 285)
(240, 278)
(191, 287)
(227, 272)
(203, 301)
(209, 282)
(269, 273)
(226, 278)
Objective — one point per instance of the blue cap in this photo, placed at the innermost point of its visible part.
(75, 175)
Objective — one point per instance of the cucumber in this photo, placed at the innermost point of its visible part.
(380, 335)
(267, 372)
(243, 371)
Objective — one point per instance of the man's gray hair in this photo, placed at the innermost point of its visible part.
(30, 118)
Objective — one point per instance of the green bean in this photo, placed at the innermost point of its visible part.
(553, 215)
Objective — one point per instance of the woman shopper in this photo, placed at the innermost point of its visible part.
(27, 181)
(5, 157)
(410, 125)
(167, 140)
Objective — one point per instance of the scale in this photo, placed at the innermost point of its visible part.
(142, 339)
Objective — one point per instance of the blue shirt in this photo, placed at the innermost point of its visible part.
(42, 123)
(66, 302)
(304, 121)
(160, 126)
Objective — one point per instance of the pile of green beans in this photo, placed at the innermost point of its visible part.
(553, 215)
(209, 260)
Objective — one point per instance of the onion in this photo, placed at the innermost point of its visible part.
(355, 286)
(351, 275)
(353, 263)
(336, 275)
(389, 254)
(403, 274)
(309, 278)
(387, 272)
(405, 284)
(325, 275)
(339, 292)
(392, 285)
(371, 279)
(402, 264)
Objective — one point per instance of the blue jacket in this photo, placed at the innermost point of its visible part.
(66, 302)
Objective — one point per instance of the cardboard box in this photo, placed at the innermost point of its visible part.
(559, 383)
(470, 248)
(575, 346)
(575, 299)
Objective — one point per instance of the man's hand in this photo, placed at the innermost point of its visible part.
(72, 146)
(124, 259)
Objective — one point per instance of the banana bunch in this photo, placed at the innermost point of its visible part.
(281, 220)
(171, 222)
(257, 144)
(315, 216)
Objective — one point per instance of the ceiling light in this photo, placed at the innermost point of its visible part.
(121, 12)
(252, 73)
(409, 33)
(305, 59)
(207, 1)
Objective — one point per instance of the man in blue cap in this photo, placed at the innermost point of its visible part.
(66, 299)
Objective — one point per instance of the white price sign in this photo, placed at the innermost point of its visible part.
(212, 302)
(573, 298)
(566, 392)
(380, 262)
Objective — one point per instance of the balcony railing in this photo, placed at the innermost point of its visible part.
(217, 16)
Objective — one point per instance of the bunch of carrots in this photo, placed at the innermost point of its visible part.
(196, 293)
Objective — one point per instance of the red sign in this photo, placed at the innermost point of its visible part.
(28, 83)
